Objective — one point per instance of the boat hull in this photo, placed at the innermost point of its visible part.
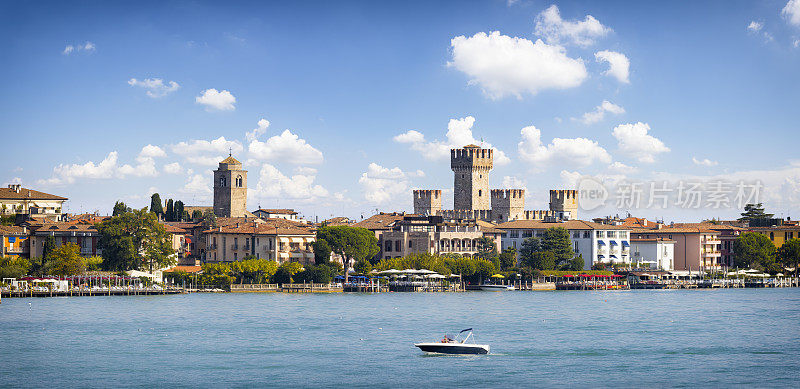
(453, 348)
(496, 288)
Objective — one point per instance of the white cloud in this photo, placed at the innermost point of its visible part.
(151, 151)
(621, 168)
(198, 184)
(272, 184)
(618, 64)
(554, 29)
(755, 26)
(796, 43)
(286, 147)
(634, 140)
(504, 65)
(459, 134)
(88, 47)
(208, 153)
(155, 86)
(575, 152)
(215, 100)
(382, 185)
(704, 162)
(791, 11)
(600, 112)
(173, 168)
(263, 124)
(67, 174)
(512, 182)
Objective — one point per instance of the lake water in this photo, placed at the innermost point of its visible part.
(615, 338)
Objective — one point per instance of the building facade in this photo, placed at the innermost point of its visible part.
(696, 248)
(432, 234)
(596, 243)
(275, 239)
(230, 189)
(653, 254)
(15, 200)
(14, 242)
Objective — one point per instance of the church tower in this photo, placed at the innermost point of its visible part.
(471, 165)
(230, 189)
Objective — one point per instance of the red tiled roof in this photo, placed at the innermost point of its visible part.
(568, 224)
(381, 221)
(188, 269)
(27, 194)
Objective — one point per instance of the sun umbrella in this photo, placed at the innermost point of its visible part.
(498, 276)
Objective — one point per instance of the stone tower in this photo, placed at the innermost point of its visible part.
(427, 202)
(230, 189)
(507, 204)
(471, 166)
(564, 201)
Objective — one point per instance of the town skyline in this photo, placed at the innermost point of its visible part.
(332, 122)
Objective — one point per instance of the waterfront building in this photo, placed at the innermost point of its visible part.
(16, 200)
(697, 247)
(653, 253)
(82, 233)
(473, 199)
(595, 242)
(778, 234)
(414, 234)
(274, 239)
(14, 241)
(381, 222)
(181, 243)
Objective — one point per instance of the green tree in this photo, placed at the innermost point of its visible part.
(752, 250)
(528, 247)
(177, 213)
(132, 239)
(576, 263)
(484, 269)
(556, 240)
(362, 266)
(789, 254)
(284, 273)
(542, 260)
(94, 263)
(209, 219)
(352, 243)
(65, 260)
(322, 251)
(508, 258)
(155, 204)
(753, 212)
(120, 208)
(487, 249)
(49, 245)
(169, 214)
(14, 267)
(197, 215)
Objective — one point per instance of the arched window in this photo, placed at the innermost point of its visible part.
(479, 192)
(222, 181)
(239, 181)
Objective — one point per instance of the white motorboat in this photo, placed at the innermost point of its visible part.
(455, 345)
(496, 288)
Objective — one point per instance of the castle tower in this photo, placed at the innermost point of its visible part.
(564, 201)
(471, 166)
(427, 202)
(507, 204)
(230, 189)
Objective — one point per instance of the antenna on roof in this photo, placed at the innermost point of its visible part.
(230, 151)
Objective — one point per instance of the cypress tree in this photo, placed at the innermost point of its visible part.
(170, 214)
(155, 204)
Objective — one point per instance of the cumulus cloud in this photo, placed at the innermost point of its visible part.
(791, 11)
(68, 173)
(554, 29)
(151, 151)
(87, 47)
(618, 64)
(382, 185)
(459, 134)
(286, 147)
(263, 124)
(634, 140)
(198, 184)
(146, 166)
(755, 26)
(173, 168)
(600, 112)
(504, 65)
(155, 86)
(273, 184)
(621, 168)
(215, 100)
(208, 153)
(704, 162)
(576, 152)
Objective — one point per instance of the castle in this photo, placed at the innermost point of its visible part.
(472, 198)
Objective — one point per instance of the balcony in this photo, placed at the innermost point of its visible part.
(712, 254)
(712, 241)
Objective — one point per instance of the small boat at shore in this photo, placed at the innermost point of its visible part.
(455, 345)
(496, 288)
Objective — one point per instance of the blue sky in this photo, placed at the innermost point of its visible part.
(711, 92)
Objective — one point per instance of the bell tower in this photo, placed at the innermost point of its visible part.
(230, 189)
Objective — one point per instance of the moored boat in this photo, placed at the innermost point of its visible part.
(496, 288)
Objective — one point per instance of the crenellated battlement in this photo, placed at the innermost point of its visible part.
(427, 193)
(564, 200)
(471, 157)
(461, 214)
(427, 202)
(508, 193)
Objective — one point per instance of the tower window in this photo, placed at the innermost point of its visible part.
(222, 181)
(479, 192)
(239, 181)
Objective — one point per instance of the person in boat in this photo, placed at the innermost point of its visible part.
(447, 339)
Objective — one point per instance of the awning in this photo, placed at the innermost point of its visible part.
(625, 243)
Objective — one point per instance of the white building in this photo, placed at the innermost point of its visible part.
(595, 242)
(287, 214)
(652, 253)
(38, 205)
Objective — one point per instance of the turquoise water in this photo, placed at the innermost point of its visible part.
(615, 338)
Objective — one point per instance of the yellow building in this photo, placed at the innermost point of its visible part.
(14, 241)
(778, 234)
